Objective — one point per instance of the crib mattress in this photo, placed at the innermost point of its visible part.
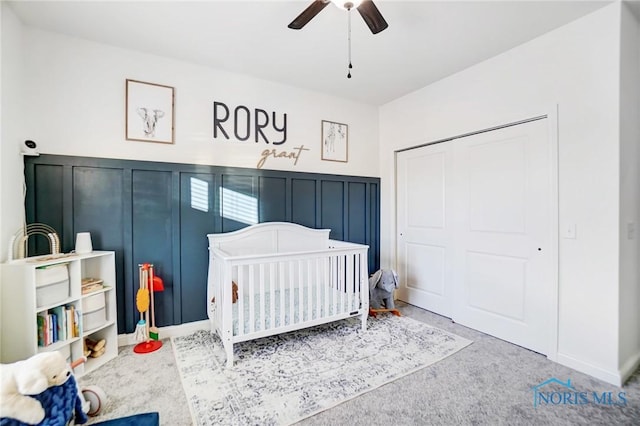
(338, 302)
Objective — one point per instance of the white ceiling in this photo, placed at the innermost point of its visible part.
(425, 41)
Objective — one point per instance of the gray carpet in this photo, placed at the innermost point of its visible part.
(487, 383)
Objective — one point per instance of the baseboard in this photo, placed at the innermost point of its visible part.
(612, 377)
(167, 332)
(629, 368)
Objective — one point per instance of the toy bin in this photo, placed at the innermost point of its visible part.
(52, 284)
(94, 313)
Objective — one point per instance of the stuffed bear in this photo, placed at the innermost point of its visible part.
(234, 293)
(381, 286)
(30, 377)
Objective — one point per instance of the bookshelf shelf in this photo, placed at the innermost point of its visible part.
(66, 301)
(23, 318)
(58, 345)
(96, 329)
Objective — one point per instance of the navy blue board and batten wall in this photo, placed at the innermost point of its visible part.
(146, 212)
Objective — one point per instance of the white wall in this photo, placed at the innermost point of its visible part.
(11, 116)
(577, 68)
(629, 316)
(76, 95)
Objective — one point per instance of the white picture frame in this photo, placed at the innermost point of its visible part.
(149, 115)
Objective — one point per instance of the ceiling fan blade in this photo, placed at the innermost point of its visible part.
(308, 14)
(372, 16)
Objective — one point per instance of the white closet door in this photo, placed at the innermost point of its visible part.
(503, 278)
(474, 225)
(424, 229)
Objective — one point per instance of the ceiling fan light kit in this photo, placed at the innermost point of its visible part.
(347, 5)
(367, 9)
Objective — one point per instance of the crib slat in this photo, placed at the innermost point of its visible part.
(343, 282)
(350, 282)
(300, 290)
(309, 290)
(340, 279)
(335, 287)
(327, 275)
(272, 293)
(240, 300)
(262, 303)
(318, 284)
(252, 293)
(363, 281)
(337, 284)
(281, 283)
(292, 285)
(356, 283)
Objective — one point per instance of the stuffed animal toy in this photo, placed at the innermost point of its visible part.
(234, 293)
(30, 377)
(381, 286)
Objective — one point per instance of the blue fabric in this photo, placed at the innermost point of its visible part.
(61, 404)
(146, 419)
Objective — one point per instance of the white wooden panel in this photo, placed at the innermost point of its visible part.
(425, 268)
(500, 293)
(497, 185)
(424, 202)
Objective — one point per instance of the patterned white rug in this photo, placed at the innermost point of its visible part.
(283, 379)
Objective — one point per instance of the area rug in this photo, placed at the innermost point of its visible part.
(283, 379)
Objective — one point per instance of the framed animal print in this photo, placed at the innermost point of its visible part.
(335, 141)
(149, 115)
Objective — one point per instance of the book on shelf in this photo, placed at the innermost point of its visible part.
(77, 324)
(49, 333)
(61, 322)
(54, 327)
(70, 316)
(41, 320)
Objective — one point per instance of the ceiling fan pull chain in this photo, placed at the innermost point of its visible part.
(350, 66)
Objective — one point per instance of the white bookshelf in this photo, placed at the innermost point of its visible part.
(19, 307)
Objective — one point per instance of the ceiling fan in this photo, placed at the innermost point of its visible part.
(369, 12)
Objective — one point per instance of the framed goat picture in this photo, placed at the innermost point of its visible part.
(149, 112)
(335, 139)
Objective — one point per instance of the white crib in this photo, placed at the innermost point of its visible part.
(288, 277)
